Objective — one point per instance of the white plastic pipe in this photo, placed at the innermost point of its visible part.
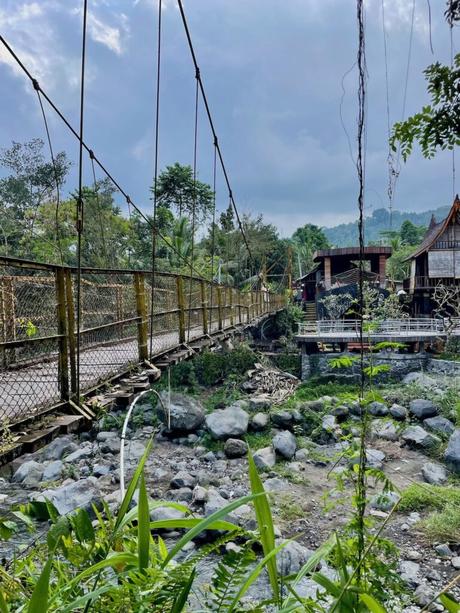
(125, 427)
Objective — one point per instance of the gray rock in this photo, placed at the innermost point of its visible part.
(422, 408)
(134, 450)
(341, 413)
(275, 484)
(384, 501)
(259, 421)
(439, 425)
(265, 458)
(259, 403)
(377, 409)
(161, 513)
(214, 502)
(53, 471)
(235, 448)
(433, 473)
(283, 419)
(284, 444)
(409, 572)
(73, 495)
(302, 455)
(385, 430)
(452, 455)
(101, 470)
(181, 494)
(210, 457)
(183, 479)
(398, 412)
(79, 454)
(416, 436)
(292, 557)
(419, 378)
(58, 448)
(110, 445)
(105, 436)
(200, 494)
(227, 423)
(374, 458)
(423, 595)
(456, 562)
(443, 550)
(29, 473)
(186, 413)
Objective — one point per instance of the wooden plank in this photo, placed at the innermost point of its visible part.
(35, 440)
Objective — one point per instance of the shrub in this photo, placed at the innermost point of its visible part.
(443, 525)
(418, 497)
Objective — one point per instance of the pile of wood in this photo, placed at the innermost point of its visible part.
(272, 383)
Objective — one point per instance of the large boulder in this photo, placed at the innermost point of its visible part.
(235, 448)
(398, 412)
(75, 495)
(183, 479)
(452, 455)
(186, 413)
(433, 473)
(439, 425)
(227, 423)
(377, 409)
(29, 473)
(292, 557)
(259, 421)
(284, 444)
(265, 458)
(416, 436)
(423, 408)
(384, 429)
(58, 448)
(53, 470)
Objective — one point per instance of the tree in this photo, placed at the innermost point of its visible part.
(177, 189)
(437, 125)
(306, 240)
(409, 233)
(32, 182)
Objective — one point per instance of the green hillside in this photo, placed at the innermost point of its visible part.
(346, 234)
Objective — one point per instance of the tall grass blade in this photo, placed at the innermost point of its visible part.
(205, 523)
(39, 599)
(132, 487)
(77, 604)
(451, 605)
(143, 527)
(181, 599)
(372, 604)
(265, 523)
(3, 606)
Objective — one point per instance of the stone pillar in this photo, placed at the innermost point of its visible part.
(305, 366)
(327, 272)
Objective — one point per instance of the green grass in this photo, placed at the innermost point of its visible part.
(257, 440)
(429, 497)
(287, 508)
(443, 525)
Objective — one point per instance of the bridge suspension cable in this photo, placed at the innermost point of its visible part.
(211, 124)
(84, 145)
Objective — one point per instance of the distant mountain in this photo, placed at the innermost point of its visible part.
(346, 234)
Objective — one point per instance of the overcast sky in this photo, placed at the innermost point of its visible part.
(273, 71)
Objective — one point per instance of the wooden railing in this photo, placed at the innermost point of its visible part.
(424, 282)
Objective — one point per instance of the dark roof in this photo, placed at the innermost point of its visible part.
(312, 270)
(353, 251)
(435, 230)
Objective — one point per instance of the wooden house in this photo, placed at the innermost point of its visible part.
(436, 261)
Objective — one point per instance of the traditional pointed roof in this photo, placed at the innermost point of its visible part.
(435, 230)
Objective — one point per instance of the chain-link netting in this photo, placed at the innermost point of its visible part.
(42, 347)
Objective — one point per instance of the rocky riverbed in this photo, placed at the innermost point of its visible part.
(200, 461)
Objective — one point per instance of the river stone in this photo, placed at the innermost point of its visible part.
(259, 403)
(259, 422)
(59, 448)
(214, 502)
(77, 494)
(101, 470)
(452, 455)
(283, 419)
(161, 513)
(200, 494)
(384, 501)
(284, 444)
(79, 454)
(377, 409)
(265, 458)
(292, 557)
(29, 473)
(181, 494)
(416, 436)
(341, 413)
(275, 484)
(374, 458)
(384, 429)
(409, 572)
(439, 425)
(433, 473)
(422, 408)
(186, 413)
(53, 471)
(235, 448)
(111, 445)
(398, 412)
(227, 423)
(420, 379)
(183, 479)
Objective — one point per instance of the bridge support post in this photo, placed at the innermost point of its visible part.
(72, 343)
(63, 366)
(230, 302)
(181, 306)
(141, 308)
(204, 306)
(219, 308)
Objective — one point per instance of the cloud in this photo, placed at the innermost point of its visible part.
(104, 34)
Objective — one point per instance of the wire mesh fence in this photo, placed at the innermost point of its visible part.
(126, 317)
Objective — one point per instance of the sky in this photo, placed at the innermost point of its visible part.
(278, 75)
